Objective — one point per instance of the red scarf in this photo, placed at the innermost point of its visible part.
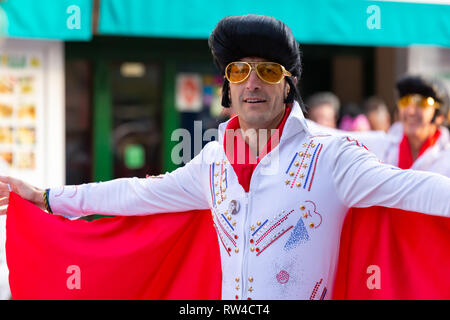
(405, 159)
(239, 154)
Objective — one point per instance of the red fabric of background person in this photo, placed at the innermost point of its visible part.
(410, 252)
(408, 249)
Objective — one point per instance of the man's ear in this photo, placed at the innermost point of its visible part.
(288, 87)
(439, 120)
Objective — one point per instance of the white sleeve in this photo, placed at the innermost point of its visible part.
(375, 141)
(180, 190)
(362, 181)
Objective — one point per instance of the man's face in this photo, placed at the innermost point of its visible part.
(416, 120)
(379, 120)
(257, 103)
(324, 115)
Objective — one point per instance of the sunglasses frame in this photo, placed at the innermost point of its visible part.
(416, 96)
(256, 63)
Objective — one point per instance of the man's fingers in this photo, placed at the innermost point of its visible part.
(4, 201)
(9, 182)
(5, 189)
(5, 179)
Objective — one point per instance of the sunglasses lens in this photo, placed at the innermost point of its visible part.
(404, 101)
(270, 72)
(237, 71)
(415, 99)
(428, 102)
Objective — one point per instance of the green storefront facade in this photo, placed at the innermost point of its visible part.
(102, 54)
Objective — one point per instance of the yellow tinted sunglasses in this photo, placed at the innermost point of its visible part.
(269, 72)
(418, 100)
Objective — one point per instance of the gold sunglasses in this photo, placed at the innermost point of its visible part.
(418, 100)
(269, 72)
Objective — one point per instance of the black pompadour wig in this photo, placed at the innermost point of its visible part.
(237, 37)
(425, 86)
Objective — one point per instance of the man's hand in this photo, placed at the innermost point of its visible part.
(23, 189)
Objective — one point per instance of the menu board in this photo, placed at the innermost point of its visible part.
(21, 78)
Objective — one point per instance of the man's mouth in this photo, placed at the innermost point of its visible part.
(254, 100)
(411, 122)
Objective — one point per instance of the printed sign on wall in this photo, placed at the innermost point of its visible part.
(189, 89)
(20, 99)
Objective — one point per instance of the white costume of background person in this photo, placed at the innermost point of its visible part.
(386, 147)
(423, 106)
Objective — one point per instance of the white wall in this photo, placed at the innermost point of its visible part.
(50, 133)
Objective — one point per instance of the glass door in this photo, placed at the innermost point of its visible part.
(136, 118)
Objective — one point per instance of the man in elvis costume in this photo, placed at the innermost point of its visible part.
(282, 239)
(419, 141)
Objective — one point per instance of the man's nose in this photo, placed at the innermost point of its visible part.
(253, 82)
(411, 108)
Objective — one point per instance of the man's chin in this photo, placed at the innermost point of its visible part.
(413, 132)
(255, 120)
(256, 107)
(255, 113)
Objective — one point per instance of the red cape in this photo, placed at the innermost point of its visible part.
(170, 256)
(176, 255)
(410, 250)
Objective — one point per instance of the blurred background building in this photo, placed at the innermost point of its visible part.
(92, 90)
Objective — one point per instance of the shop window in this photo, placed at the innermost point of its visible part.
(136, 98)
(78, 122)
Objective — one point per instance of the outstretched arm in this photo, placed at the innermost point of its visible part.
(362, 181)
(177, 191)
(180, 190)
(376, 141)
(23, 189)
